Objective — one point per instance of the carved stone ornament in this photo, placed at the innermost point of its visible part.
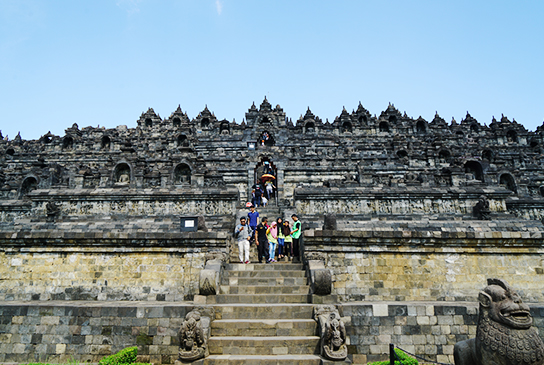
(332, 332)
(318, 256)
(193, 337)
(322, 283)
(209, 281)
(201, 226)
(320, 277)
(216, 256)
(504, 335)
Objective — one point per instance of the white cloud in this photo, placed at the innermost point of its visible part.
(219, 6)
(130, 6)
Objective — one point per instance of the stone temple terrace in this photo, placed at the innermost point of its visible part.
(117, 237)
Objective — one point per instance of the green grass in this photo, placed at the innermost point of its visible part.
(406, 360)
(126, 356)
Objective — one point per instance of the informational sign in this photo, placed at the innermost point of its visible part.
(189, 224)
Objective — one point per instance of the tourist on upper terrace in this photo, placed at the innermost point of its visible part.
(257, 194)
(264, 138)
(269, 189)
(262, 241)
(267, 168)
(243, 232)
(297, 231)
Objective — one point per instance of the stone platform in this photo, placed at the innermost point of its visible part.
(59, 331)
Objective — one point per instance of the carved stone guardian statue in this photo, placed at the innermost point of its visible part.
(481, 209)
(193, 337)
(332, 332)
(51, 210)
(504, 335)
(330, 222)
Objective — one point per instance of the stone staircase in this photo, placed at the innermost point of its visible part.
(263, 316)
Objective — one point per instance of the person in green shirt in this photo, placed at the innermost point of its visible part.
(295, 233)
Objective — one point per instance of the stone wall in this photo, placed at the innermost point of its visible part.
(93, 265)
(87, 331)
(425, 329)
(445, 261)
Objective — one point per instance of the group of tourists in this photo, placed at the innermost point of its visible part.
(264, 189)
(260, 196)
(276, 239)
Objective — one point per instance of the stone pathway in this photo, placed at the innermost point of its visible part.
(264, 316)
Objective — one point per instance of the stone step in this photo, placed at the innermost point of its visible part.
(253, 257)
(265, 273)
(263, 311)
(264, 267)
(245, 281)
(265, 289)
(274, 345)
(264, 327)
(262, 298)
(262, 360)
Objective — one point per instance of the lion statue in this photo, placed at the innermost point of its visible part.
(504, 335)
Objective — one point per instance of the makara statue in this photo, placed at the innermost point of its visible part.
(504, 335)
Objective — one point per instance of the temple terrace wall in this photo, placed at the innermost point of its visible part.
(94, 264)
(64, 331)
(428, 329)
(86, 203)
(432, 260)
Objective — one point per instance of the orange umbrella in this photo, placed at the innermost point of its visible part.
(268, 176)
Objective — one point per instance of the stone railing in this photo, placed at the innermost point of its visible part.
(123, 202)
(386, 202)
(526, 208)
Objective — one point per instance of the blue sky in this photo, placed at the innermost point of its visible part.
(104, 62)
